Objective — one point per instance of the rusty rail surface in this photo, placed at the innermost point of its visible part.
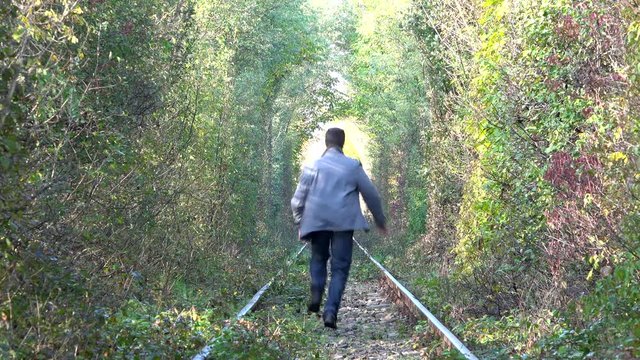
(204, 353)
(419, 309)
(409, 299)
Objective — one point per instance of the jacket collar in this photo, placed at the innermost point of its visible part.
(333, 150)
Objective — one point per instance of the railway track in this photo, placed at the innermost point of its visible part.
(354, 315)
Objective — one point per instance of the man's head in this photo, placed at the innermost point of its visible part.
(334, 138)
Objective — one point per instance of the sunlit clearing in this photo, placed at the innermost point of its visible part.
(373, 11)
(326, 4)
(355, 146)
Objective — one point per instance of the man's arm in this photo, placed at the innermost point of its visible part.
(300, 196)
(371, 197)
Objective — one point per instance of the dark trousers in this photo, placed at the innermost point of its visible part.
(337, 246)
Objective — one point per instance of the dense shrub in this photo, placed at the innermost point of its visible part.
(125, 131)
(524, 119)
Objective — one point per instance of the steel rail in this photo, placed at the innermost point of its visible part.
(449, 337)
(256, 297)
(204, 353)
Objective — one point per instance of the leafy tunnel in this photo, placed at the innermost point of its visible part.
(149, 149)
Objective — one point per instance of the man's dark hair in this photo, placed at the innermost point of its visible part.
(334, 138)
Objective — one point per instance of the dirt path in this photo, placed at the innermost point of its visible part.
(370, 327)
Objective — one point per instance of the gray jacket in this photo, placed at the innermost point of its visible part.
(327, 197)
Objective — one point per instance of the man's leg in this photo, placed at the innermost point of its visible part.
(341, 251)
(320, 241)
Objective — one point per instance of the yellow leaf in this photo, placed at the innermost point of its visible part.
(77, 10)
(617, 134)
(618, 156)
(51, 15)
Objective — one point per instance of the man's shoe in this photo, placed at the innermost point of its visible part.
(316, 299)
(313, 307)
(329, 319)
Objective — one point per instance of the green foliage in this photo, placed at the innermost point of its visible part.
(148, 153)
(125, 186)
(137, 331)
(522, 131)
(603, 325)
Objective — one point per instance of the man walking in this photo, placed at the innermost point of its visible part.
(326, 206)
